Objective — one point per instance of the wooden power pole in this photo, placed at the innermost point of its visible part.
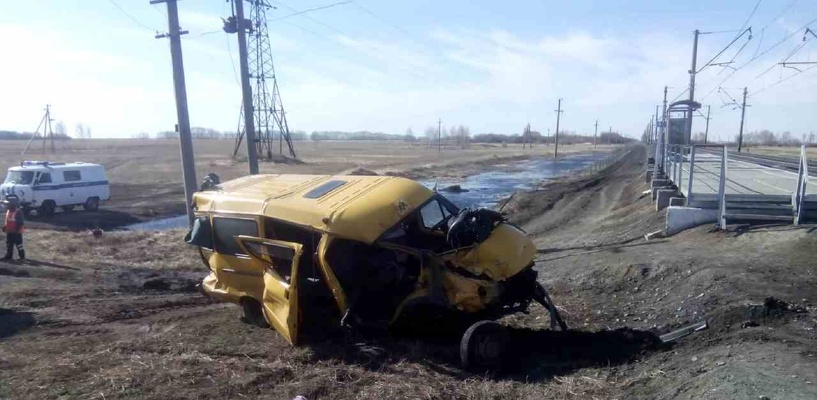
(185, 139)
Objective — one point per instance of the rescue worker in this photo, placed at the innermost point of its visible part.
(14, 227)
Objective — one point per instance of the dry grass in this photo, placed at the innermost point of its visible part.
(162, 250)
(154, 161)
(791, 151)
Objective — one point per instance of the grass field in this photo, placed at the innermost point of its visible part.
(118, 317)
(791, 151)
(143, 161)
(146, 176)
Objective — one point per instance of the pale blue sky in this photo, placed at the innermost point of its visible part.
(392, 65)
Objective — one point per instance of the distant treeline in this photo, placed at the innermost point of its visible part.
(537, 137)
(766, 137)
(12, 135)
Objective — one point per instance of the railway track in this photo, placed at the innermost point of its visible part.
(785, 163)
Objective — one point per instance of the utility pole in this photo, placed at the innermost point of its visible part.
(50, 135)
(595, 133)
(742, 116)
(657, 124)
(706, 132)
(692, 72)
(246, 89)
(439, 135)
(559, 112)
(610, 136)
(185, 140)
(665, 117)
(547, 139)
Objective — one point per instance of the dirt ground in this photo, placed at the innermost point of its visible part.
(146, 183)
(118, 316)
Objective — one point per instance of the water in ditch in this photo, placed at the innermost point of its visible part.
(485, 189)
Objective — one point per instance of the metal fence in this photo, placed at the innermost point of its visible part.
(681, 163)
(609, 159)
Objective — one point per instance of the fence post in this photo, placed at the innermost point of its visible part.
(722, 191)
(802, 181)
(691, 170)
(681, 168)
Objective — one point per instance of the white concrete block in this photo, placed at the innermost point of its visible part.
(682, 218)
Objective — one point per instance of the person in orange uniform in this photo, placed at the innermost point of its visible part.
(14, 228)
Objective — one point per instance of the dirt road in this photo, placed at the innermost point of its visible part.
(117, 317)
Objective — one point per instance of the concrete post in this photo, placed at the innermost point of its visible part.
(691, 171)
(722, 192)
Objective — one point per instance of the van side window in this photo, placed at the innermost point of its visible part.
(71, 176)
(45, 177)
(226, 230)
(283, 231)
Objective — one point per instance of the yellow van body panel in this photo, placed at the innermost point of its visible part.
(506, 252)
(361, 209)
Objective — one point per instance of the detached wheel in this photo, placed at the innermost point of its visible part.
(483, 345)
(92, 204)
(68, 208)
(47, 209)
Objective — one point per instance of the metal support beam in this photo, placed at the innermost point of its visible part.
(722, 191)
(691, 172)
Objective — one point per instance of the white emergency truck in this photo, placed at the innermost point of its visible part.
(43, 186)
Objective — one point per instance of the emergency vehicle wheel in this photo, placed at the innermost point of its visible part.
(483, 345)
(47, 208)
(92, 204)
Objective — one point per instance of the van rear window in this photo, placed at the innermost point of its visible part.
(324, 189)
(225, 232)
(71, 176)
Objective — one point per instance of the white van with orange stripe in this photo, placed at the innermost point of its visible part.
(44, 186)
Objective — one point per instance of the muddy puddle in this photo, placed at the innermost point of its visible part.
(488, 188)
(485, 189)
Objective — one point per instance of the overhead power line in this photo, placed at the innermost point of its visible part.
(782, 80)
(131, 17)
(752, 14)
(772, 47)
(749, 31)
(311, 9)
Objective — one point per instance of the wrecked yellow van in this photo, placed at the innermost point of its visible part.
(310, 254)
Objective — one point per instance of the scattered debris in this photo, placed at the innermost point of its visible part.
(749, 324)
(654, 235)
(685, 331)
(454, 189)
(363, 172)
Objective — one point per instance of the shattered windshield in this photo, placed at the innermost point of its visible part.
(434, 213)
(20, 177)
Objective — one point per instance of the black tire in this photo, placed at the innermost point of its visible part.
(47, 208)
(68, 208)
(251, 313)
(483, 346)
(92, 204)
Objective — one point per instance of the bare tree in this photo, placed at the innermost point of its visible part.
(82, 131)
(431, 134)
(59, 129)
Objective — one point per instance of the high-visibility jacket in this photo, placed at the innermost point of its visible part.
(14, 221)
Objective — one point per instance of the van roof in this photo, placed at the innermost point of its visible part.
(354, 207)
(40, 165)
